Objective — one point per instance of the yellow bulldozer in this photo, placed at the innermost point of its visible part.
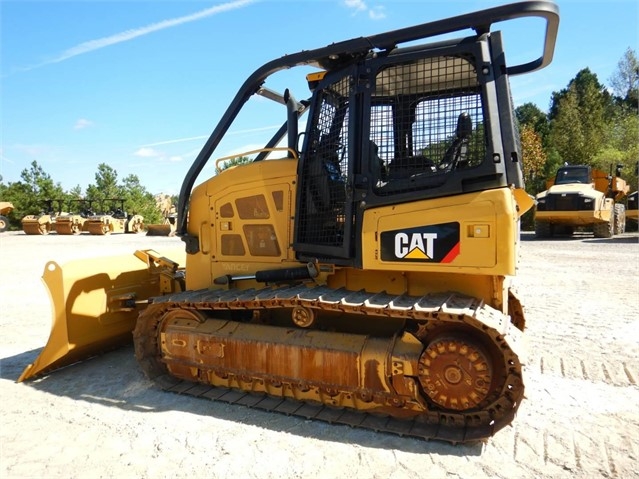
(114, 220)
(359, 273)
(581, 197)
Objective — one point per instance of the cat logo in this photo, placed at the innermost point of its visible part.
(415, 246)
(431, 244)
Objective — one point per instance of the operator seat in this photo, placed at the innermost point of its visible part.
(457, 153)
(119, 213)
(325, 181)
(376, 164)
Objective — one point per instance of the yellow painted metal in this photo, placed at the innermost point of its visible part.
(107, 224)
(485, 258)
(37, 224)
(159, 229)
(5, 207)
(69, 224)
(604, 191)
(100, 225)
(480, 216)
(605, 183)
(524, 200)
(243, 219)
(576, 218)
(93, 304)
(134, 224)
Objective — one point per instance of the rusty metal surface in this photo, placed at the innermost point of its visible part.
(71, 225)
(98, 228)
(183, 344)
(35, 226)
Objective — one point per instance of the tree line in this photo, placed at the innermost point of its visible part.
(35, 190)
(588, 123)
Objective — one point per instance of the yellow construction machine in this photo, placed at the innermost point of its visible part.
(42, 223)
(359, 274)
(115, 220)
(5, 209)
(169, 213)
(632, 207)
(166, 228)
(75, 222)
(581, 197)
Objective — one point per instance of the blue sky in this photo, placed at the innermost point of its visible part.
(140, 85)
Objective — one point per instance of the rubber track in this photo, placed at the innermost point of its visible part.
(447, 426)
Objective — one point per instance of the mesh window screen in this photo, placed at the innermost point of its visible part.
(323, 181)
(426, 121)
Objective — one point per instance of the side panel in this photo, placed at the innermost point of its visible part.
(243, 221)
(198, 264)
(475, 233)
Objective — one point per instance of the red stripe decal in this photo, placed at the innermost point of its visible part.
(452, 254)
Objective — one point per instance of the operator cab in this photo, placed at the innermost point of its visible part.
(414, 123)
(573, 174)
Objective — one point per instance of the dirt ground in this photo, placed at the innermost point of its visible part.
(102, 418)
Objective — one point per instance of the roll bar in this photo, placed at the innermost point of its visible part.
(337, 55)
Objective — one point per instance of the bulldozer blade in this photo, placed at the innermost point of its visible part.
(95, 304)
(158, 230)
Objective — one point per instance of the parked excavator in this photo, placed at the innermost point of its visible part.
(358, 275)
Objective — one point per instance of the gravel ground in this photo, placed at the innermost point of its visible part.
(102, 418)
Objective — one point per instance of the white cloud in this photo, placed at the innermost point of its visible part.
(177, 140)
(82, 123)
(356, 5)
(92, 45)
(374, 13)
(203, 137)
(147, 153)
(377, 13)
(157, 156)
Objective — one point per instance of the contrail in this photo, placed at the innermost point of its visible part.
(192, 138)
(127, 35)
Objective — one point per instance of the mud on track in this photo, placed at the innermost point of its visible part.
(102, 418)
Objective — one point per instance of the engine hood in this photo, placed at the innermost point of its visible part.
(572, 188)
